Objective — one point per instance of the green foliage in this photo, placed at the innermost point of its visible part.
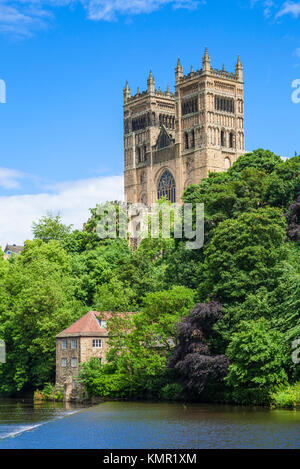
(263, 160)
(78, 241)
(114, 296)
(243, 255)
(283, 185)
(171, 392)
(288, 397)
(102, 380)
(37, 302)
(239, 190)
(93, 268)
(259, 357)
(50, 227)
(49, 393)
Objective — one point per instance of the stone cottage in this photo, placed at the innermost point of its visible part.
(86, 338)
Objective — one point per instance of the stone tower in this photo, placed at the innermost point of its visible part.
(174, 140)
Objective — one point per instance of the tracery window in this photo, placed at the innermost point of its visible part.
(166, 186)
(224, 104)
(189, 106)
(139, 123)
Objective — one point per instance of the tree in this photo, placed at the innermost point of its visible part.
(114, 296)
(259, 356)
(195, 360)
(225, 196)
(50, 227)
(37, 303)
(243, 255)
(282, 186)
(78, 241)
(263, 160)
(96, 267)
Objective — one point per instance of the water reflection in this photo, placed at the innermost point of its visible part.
(18, 415)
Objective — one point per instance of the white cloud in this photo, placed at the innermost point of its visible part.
(297, 52)
(71, 199)
(23, 17)
(9, 178)
(109, 9)
(268, 5)
(289, 8)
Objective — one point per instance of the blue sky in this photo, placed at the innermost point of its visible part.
(65, 63)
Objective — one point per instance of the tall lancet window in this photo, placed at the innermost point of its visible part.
(166, 187)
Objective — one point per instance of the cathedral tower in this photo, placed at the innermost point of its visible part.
(174, 140)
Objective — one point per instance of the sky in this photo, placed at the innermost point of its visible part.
(65, 64)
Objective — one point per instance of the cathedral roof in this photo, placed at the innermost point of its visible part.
(164, 139)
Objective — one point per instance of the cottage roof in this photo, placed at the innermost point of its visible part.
(90, 325)
(13, 248)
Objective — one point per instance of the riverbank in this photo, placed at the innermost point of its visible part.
(137, 425)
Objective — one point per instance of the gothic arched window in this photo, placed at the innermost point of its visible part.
(227, 163)
(186, 141)
(166, 187)
(222, 138)
(139, 156)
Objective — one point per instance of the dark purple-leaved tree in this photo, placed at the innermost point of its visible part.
(293, 219)
(193, 358)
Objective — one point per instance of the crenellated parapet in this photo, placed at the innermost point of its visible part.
(208, 69)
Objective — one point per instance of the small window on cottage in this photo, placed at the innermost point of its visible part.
(74, 362)
(64, 362)
(97, 343)
(73, 344)
(64, 344)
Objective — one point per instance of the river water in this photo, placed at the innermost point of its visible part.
(134, 425)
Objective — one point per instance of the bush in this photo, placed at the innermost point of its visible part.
(104, 380)
(171, 392)
(258, 359)
(287, 397)
(49, 393)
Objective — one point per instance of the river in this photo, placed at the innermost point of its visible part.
(134, 425)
